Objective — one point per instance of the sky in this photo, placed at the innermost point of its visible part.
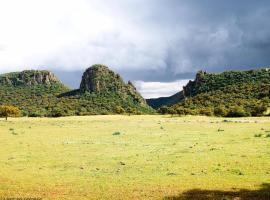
(157, 44)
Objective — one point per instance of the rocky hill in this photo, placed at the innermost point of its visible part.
(28, 78)
(100, 79)
(40, 93)
(245, 91)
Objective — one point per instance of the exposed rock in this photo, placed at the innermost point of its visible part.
(100, 79)
(190, 89)
(29, 78)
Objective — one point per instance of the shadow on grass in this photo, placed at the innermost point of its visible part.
(261, 194)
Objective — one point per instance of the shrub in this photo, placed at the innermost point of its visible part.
(119, 110)
(258, 110)
(180, 111)
(131, 110)
(35, 114)
(163, 110)
(116, 133)
(57, 112)
(258, 135)
(172, 111)
(220, 111)
(237, 111)
(206, 111)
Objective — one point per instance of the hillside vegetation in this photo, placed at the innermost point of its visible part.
(40, 93)
(232, 94)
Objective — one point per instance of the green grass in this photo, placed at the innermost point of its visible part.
(153, 157)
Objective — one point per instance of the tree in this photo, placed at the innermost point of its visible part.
(9, 111)
(206, 111)
(163, 110)
(172, 111)
(220, 111)
(258, 110)
(237, 111)
(57, 112)
(131, 110)
(180, 111)
(119, 110)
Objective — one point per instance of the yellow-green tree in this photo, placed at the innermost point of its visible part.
(119, 110)
(9, 111)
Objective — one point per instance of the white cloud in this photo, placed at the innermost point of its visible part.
(159, 89)
(175, 37)
(72, 35)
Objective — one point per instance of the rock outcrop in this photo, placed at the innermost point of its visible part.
(29, 78)
(188, 91)
(191, 88)
(100, 79)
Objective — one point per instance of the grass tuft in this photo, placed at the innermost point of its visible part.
(116, 133)
(258, 135)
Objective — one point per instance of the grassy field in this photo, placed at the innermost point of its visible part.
(135, 157)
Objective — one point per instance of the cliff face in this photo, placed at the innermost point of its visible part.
(100, 79)
(28, 78)
(191, 88)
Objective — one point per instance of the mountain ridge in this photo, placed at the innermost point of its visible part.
(41, 93)
(29, 78)
(246, 91)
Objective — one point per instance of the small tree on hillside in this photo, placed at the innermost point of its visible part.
(9, 111)
(172, 111)
(220, 111)
(163, 110)
(237, 111)
(130, 110)
(258, 110)
(119, 110)
(180, 111)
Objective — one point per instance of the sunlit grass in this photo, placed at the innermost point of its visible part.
(131, 157)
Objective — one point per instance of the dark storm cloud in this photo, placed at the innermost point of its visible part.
(148, 40)
(188, 35)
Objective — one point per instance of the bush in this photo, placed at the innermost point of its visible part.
(180, 111)
(119, 110)
(237, 111)
(206, 111)
(116, 133)
(172, 111)
(131, 111)
(35, 114)
(258, 110)
(189, 111)
(258, 135)
(163, 110)
(57, 112)
(220, 111)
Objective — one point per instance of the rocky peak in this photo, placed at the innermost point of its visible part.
(28, 78)
(190, 89)
(100, 79)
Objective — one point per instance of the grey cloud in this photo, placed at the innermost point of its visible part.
(162, 40)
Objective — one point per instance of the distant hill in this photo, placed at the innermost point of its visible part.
(29, 78)
(165, 101)
(231, 93)
(41, 93)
